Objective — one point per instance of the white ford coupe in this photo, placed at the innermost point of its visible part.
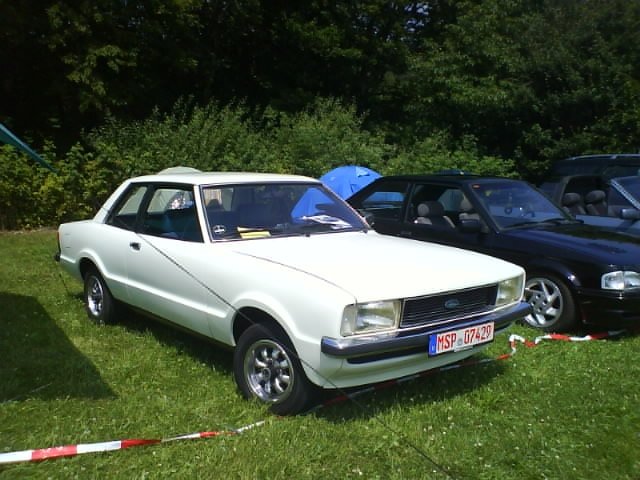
(285, 272)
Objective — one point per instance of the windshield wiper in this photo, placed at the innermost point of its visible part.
(560, 220)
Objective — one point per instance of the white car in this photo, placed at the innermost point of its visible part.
(285, 272)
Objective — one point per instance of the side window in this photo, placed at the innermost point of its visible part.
(617, 202)
(387, 201)
(436, 205)
(171, 213)
(124, 215)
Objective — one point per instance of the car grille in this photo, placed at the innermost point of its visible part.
(437, 309)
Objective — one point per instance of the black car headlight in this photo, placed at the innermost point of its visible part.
(620, 280)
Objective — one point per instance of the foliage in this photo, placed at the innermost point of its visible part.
(209, 138)
(559, 410)
(436, 153)
(529, 81)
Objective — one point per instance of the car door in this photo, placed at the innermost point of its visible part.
(159, 257)
(384, 204)
(448, 208)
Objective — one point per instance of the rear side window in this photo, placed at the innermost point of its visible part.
(126, 210)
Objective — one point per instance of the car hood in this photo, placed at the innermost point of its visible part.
(371, 266)
(581, 242)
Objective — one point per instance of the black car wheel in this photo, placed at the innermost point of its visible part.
(266, 367)
(552, 302)
(99, 303)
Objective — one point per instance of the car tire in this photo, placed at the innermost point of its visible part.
(554, 308)
(98, 301)
(266, 367)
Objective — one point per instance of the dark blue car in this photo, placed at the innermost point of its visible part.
(577, 274)
(599, 200)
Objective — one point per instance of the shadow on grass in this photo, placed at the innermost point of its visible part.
(38, 360)
(199, 347)
(428, 388)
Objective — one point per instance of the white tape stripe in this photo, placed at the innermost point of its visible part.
(15, 457)
(99, 447)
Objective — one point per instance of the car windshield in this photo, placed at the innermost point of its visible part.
(517, 204)
(260, 210)
(631, 185)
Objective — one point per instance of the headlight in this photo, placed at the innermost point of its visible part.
(370, 317)
(510, 290)
(620, 280)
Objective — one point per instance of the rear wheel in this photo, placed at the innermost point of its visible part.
(552, 302)
(266, 367)
(98, 301)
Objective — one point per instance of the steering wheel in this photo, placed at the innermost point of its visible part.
(527, 209)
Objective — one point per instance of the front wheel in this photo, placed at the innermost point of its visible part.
(266, 367)
(98, 301)
(552, 302)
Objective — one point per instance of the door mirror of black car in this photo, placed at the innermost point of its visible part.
(630, 214)
(470, 225)
(368, 217)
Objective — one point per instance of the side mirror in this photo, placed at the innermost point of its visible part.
(368, 217)
(630, 214)
(470, 225)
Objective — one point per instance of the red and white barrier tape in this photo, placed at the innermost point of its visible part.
(513, 342)
(79, 449)
(73, 450)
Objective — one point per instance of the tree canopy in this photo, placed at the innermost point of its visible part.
(522, 80)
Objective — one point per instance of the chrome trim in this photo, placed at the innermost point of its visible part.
(390, 341)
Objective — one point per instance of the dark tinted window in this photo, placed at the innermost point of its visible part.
(386, 201)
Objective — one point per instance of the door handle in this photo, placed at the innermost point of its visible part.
(135, 245)
(406, 233)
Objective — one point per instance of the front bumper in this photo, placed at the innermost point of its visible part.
(613, 309)
(374, 347)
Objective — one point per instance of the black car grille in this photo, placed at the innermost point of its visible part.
(425, 311)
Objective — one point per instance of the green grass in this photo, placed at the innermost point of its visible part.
(557, 411)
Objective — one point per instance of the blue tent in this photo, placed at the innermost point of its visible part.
(348, 179)
(7, 137)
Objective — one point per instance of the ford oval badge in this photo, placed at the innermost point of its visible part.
(452, 303)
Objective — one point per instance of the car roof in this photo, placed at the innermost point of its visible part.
(602, 156)
(456, 179)
(206, 178)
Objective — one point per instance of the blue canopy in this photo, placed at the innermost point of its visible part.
(7, 137)
(348, 179)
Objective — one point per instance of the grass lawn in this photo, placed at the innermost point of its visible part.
(557, 411)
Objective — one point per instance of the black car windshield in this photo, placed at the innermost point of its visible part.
(259, 210)
(631, 185)
(517, 204)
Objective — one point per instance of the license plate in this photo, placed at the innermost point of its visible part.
(460, 339)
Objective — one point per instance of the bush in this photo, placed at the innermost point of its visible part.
(214, 138)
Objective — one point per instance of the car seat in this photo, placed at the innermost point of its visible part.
(467, 211)
(572, 203)
(432, 213)
(596, 203)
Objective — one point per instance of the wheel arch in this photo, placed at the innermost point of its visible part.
(556, 268)
(245, 317)
(85, 264)
(562, 272)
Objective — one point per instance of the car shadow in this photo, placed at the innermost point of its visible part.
(200, 348)
(427, 388)
(38, 359)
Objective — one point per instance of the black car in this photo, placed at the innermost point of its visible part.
(576, 273)
(608, 165)
(598, 200)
